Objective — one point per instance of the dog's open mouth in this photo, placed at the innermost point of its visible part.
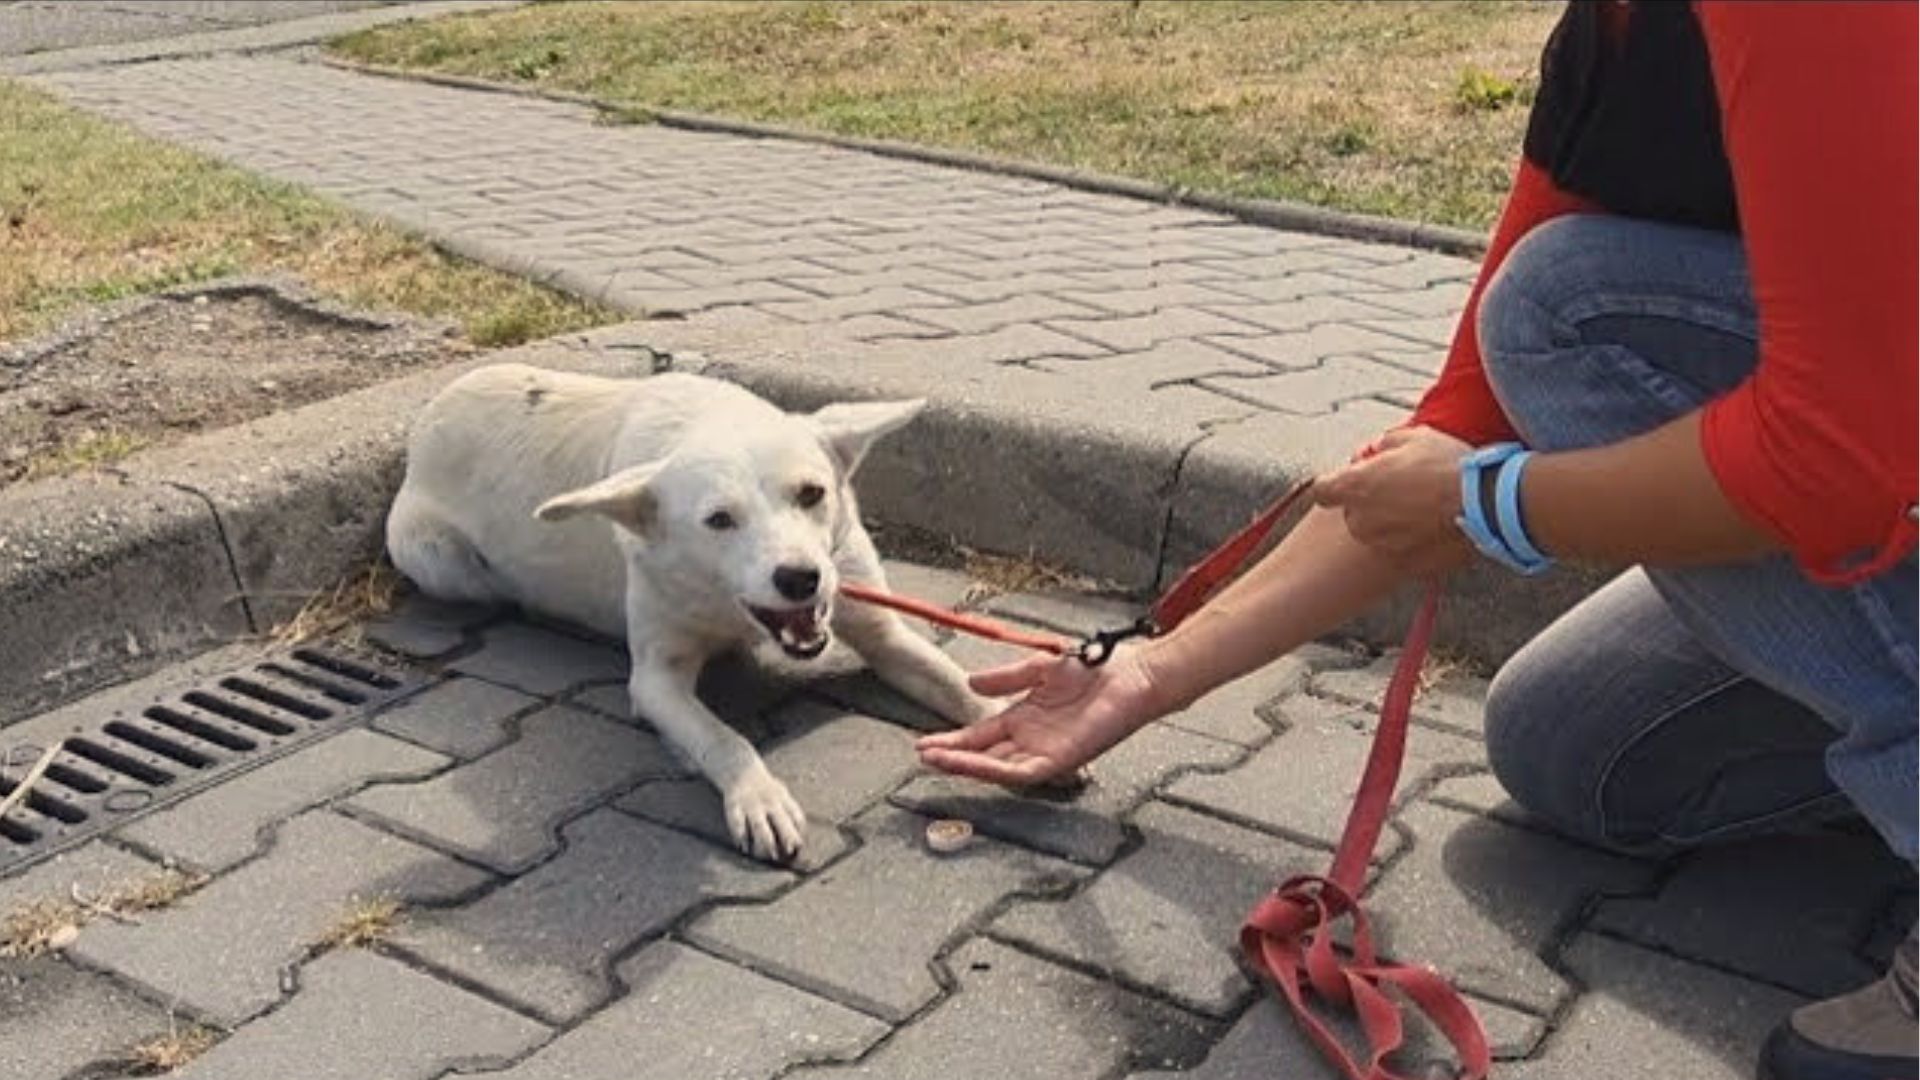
(801, 632)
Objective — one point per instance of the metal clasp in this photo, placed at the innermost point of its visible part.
(1098, 648)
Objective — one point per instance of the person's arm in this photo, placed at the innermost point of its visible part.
(1314, 580)
(1649, 499)
(1814, 453)
(1818, 110)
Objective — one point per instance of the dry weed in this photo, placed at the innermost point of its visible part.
(373, 591)
(171, 1052)
(364, 923)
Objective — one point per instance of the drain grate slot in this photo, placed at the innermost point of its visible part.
(108, 758)
(171, 749)
(126, 764)
(342, 694)
(239, 714)
(269, 695)
(340, 665)
(44, 805)
(203, 730)
(75, 779)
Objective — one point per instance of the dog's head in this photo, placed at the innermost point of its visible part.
(746, 516)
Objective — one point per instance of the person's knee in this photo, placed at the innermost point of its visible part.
(1527, 751)
(1521, 317)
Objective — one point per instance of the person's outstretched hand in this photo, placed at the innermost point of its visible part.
(1070, 715)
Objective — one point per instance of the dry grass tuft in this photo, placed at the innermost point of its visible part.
(1002, 575)
(40, 925)
(1440, 667)
(364, 923)
(150, 893)
(370, 592)
(171, 1052)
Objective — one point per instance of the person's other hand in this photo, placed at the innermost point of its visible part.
(1402, 500)
(1071, 714)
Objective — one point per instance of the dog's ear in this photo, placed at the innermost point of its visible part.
(849, 429)
(623, 498)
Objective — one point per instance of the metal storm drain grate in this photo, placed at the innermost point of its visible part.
(130, 763)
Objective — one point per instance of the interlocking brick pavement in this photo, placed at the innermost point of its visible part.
(359, 1016)
(910, 906)
(613, 928)
(228, 952)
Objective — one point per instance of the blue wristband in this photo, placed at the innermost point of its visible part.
(1506, 504)
(1504, 539)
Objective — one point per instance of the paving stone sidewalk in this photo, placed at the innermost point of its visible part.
(569, 907)
(1186, 318)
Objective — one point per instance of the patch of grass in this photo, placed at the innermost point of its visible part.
(363, 923)
(91, 211)
(171, 1052)
(1350, 105)
(50, 923)
(1478, 90)
(91, 450)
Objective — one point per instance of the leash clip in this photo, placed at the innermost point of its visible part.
(1098, 647)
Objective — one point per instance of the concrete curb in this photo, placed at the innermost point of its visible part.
(245, 39)
(107, 576)
(1276, 213)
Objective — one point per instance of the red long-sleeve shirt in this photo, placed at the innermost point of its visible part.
(1818, 114)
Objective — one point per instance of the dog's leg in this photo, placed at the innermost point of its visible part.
(435, 555)
(762, 815)
(901, 658)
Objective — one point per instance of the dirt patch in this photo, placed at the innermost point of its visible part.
(170, 366)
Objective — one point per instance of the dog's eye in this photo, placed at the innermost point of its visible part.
(809, 495)
(720, 521)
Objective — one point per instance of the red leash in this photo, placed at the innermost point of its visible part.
(1288, 937)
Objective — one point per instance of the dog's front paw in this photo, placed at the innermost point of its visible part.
(764, 818)
(975, 708)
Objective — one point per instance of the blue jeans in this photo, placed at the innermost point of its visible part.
(1679, 706)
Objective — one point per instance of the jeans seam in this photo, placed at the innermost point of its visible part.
(1696, 312)
(1759, 819)
(1659, 722)
(1880, 619)
(1638, 375)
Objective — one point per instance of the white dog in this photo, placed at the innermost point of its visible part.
(681, 513)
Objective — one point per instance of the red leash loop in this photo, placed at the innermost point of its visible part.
(1288, 937)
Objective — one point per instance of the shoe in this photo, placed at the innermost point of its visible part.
(1870, 1034)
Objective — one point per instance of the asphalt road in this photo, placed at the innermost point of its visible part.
(32, 26)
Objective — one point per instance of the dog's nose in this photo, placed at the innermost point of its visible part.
(796, 582)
